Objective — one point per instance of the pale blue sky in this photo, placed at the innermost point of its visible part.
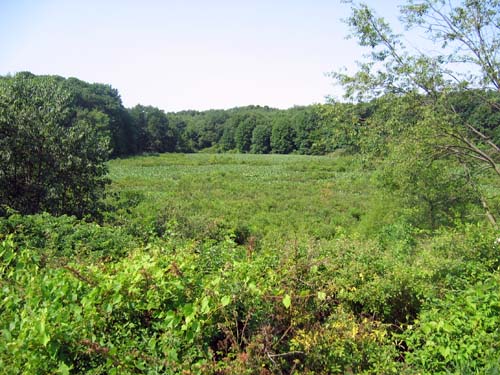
(189, 54)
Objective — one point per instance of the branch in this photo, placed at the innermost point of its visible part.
(489, 215)
(295, 352)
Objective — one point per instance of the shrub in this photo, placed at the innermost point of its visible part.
(458, 334)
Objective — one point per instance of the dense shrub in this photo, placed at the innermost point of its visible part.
(460, 333)
(65, 237)
(210, 264)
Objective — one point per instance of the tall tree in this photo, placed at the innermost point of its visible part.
(282, 135)
(227, 142)
(52, 153)
(243, 132)
(261, 139)
(154, 133)
(306, 125)
(106, 99)
(467, 36)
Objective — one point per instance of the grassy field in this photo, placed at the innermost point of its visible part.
(247, 264)
(263, 195)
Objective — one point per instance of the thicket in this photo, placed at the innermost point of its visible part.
(224, 264)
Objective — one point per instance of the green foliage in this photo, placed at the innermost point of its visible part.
(51, 153)
(244, 264)
(198, 195)
(458, 334)
(227, 142)
(431, 193)
(154, 134)
(367, 127)
(261, 139)
(479, 109)
(243, 133)
(65, 237)
(282, 136)
(105, 99)
(306, 125)
(343, 344)
(466, 38)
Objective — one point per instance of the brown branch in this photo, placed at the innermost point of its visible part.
(483, 137)
(79, 276)
(474, 151)
(94, 347)
(489, 214)
(295, 352)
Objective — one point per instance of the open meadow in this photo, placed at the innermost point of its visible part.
(259, 196)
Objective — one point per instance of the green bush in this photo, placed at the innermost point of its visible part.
(244, 264)
(459, 334)
(65, 237)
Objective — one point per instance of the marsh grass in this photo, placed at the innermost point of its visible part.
(271, 196)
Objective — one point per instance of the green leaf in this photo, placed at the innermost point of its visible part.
(170, 319)
(205, 309)
(321, 296)
(63, 369)
(225, 301)
(252, 287)
(445, 351)
(44, 339)
(287, 301)
(188, 310)
(6, 334)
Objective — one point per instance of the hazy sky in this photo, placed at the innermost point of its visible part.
(185, 54)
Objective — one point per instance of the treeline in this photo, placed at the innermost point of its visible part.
(252, 129)
(311, 130)
(147, 129)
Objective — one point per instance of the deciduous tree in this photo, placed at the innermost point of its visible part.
(51, 153)
(466, 36)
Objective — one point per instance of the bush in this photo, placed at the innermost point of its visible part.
(458, 334)
(53, 238)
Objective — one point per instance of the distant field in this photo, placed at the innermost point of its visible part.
(277, 195)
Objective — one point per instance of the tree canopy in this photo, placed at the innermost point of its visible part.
(52, 153)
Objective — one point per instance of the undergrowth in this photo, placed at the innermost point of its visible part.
(232, 264)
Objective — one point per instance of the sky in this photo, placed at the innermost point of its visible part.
(191, 54)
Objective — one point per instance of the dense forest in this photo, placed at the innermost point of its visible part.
(357, 236)
(310, 130)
